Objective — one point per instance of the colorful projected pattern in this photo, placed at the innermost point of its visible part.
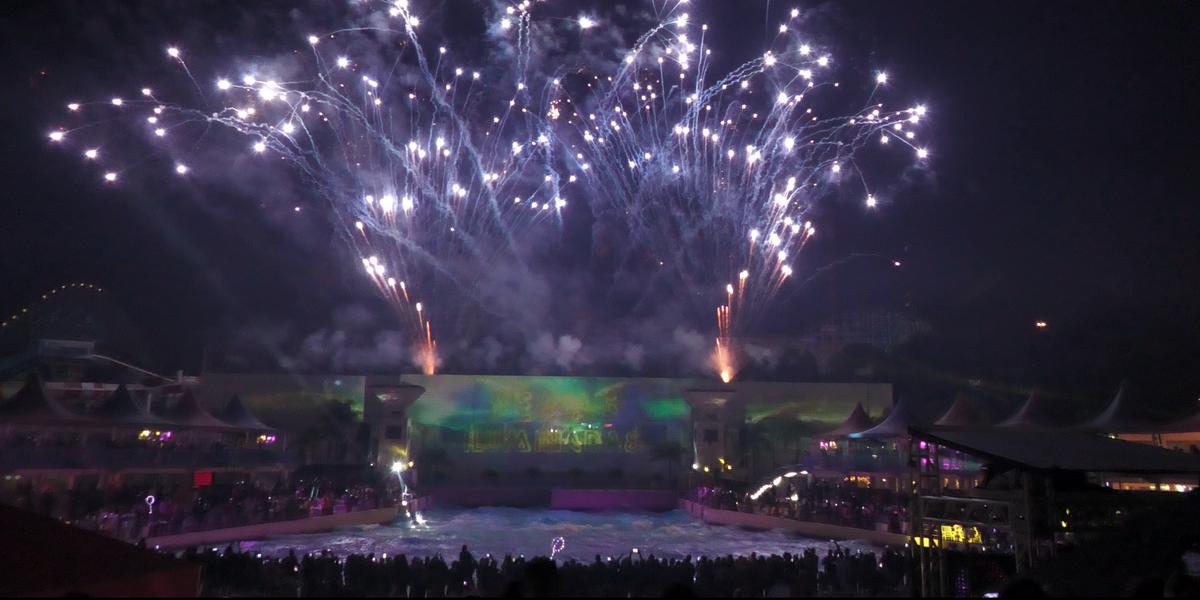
(817, 406)
(562, 438)
(290, 402)
(550, 414)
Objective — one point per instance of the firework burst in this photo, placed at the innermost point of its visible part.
(436, 169)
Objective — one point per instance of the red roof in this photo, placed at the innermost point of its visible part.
(1187, 424)
(43, 557)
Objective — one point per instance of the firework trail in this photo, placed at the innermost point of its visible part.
(435, 170)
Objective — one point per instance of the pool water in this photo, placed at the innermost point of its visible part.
(500, 531)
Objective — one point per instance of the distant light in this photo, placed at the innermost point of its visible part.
(881, 78)
(343, 62)
(73, 106)
(92, 153)
(260, 146)
(586, 22)
(922, 153)
(312, 39)
(56, 136)
(871, 201)
(110, 177)
(1040, 324)
(160, 132)
(223, 84)
(117, 101)
(181, 168)
(173, 52)
(249, 79)
(146, 91)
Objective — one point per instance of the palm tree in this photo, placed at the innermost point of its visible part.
(672, 452)
(755, 441)
(435, 458)
(330, 432)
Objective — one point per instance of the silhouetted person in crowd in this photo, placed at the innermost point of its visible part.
(1023, 588)
(678, 590)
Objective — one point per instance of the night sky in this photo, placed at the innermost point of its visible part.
(1065, 140)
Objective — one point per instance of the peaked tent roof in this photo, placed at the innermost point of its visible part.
(1065, 450)
(894, 426)
(238, 415)
(188, 413)
(31, 405)
(857, 421)
(962, 413)
(121, 409)
(1036, 412)
(1119, 416)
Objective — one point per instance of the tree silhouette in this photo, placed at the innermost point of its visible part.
(671, 452)
(330, 433)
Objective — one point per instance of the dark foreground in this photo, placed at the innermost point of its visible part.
(838, 573)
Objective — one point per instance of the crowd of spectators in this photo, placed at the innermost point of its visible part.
(819, 501)
(837, 573)
(127, 513)
(67, 450)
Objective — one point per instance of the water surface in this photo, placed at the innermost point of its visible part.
(501, 531)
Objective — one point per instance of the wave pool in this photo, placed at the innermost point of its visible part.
(500, 531)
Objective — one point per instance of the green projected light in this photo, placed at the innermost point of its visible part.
(462, 401)
(549, 414)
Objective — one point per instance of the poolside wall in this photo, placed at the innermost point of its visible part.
(815, 530)
(660, 500)
(555, 498)
(267, 530)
